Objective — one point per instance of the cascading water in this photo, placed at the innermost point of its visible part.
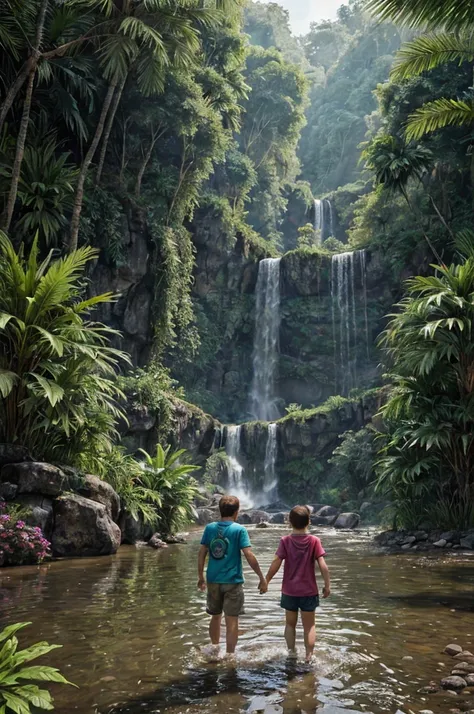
(270, 478)
(344, 314)
(236, 470)
(331, 217)
(266, 341)
(319, 217)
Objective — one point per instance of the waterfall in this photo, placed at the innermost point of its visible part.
(270, 478)
(331, 218)
(236, 470)
(344, 314)
(319, 217)
(266, 340)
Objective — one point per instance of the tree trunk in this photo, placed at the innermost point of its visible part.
(15, 88)
(415, 213)
(146, 161)
(108, 128)
(20, 151)
(25, 117)
(79, 197)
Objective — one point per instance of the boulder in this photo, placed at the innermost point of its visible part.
(13, 454)
(35, 477)
(263, 524)
(279, 518)
(323, 520)
(453, 650)
(421, 535)
(347, 520)
(440, 543)
(205, 516)
(328, 511)
(83, 528)
(174, 539)
(409, 540)
(39, 512)
(156, 542)
(366, 506)
(275, 507)
(467, 542)
(253, 517)
(453, 683)
(469, 680)
(134, 530)
(8, 491)
(465, 667)
(95, 489)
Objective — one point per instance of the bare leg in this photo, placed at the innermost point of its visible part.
(309, 628)
(215, 629)
(232, 633)
(290, 629)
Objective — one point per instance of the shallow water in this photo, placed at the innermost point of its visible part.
(132, 626)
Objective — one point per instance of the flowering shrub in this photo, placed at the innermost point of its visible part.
(20, 544)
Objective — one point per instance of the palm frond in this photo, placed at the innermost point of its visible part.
(448, 14)
(427, 52)
(438, 115)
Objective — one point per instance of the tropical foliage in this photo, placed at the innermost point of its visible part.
(427, 462)
(174, 489)
(19, 691)
(57, 367)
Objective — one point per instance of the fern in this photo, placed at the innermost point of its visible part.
(438, 115)
(430, 51)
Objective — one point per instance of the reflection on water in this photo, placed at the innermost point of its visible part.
(132, 626)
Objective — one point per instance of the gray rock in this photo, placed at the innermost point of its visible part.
(407, 546)
(205, 516)
(156, 542)
(39, 513)
(13, 454)
(263, 524)
(465, 667)
(328, 511)
(365, 507)
(96, 489)
(467, 542)
(470, 680)
(440, 543)
(8, 491)
(174, 539)
(83, 528)
(450, 536)
(35, 477)
(409, 540)
(323, 520)
(253, 517)
(279, 518)
(347, 520)
(134, 530)
(275, 507)
(453, 650)
(421, 535)
(453, 683)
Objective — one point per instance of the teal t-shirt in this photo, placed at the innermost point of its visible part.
(229, 568)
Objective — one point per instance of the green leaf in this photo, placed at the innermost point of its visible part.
(9, 631)
(40, 698)
(52, 390)
(43, 674)
(56, 343)
(17, 704)
(4, 319)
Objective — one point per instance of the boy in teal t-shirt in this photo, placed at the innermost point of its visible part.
(224, 541)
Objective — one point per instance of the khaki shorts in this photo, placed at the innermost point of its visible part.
(227, 598)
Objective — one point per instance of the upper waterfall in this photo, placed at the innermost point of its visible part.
(266, 341)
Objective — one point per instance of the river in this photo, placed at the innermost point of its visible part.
(132, 627)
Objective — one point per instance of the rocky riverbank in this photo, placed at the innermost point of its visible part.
(425, 540)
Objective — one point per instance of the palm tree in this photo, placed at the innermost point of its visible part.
(395, 164)
(57, 368)
(452, 41)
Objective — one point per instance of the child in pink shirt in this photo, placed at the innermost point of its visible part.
(300, 551)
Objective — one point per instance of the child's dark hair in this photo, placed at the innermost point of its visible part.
(228, 506)
(299, 517)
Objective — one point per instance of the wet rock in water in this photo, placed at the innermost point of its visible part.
(440, 543)
(469, 680)
(465, 656)
(35, 477)
(174, 539)
(279, 518)
(426, 711)
(253, 517)
(453, 683)
(263, 524)
(347, 520)
(467, 542)
(409, 540)
(431, 688)
(465, 667)
(257, 704)
(83, 528)
(96, 489)
(156, 542)
(407, 546)
(275, 507)
(327, 511)
(134, 530)
(323, 520)
(453, 650)
(205, 516)
(407, 658)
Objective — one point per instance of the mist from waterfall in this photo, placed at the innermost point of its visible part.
(322, 209)
(266, 341)
(347, 269)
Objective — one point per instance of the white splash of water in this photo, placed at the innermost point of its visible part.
(236, 471)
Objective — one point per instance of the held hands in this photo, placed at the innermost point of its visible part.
(326, 592)
(263, 586)
(202, 585)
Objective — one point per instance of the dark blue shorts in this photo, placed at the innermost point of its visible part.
(309, 603)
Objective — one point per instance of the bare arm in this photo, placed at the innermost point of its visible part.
(203, 550)
(274, 568)
(253, 562)
(324, 570)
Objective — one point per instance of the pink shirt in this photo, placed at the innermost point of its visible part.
(300, 553)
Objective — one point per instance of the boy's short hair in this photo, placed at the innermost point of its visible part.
(228, 506)
(300, 517)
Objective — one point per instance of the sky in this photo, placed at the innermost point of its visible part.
(303, 12)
